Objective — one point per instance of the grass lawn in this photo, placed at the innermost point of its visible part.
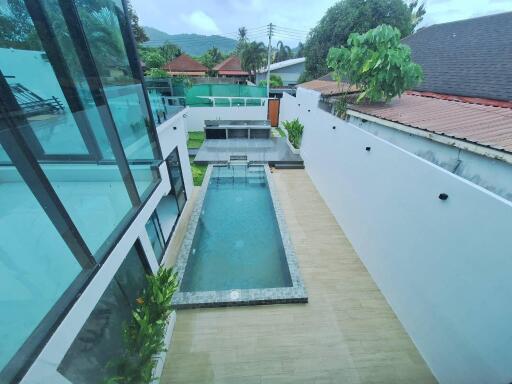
(195, 139)
(198, 172)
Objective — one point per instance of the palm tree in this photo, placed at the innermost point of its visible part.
(283, 53)
(300, 50)
(417, 12)
(242, 40)
(253, 57)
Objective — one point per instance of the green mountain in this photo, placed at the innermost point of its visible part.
(191, 43)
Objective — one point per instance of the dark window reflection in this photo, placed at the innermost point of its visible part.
(100, 339)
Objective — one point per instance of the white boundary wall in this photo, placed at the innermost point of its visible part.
(444, 266)
(195, 116)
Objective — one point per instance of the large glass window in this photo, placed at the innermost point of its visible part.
(36, 265)
(163, 221)
(100, 339)
(102, 21)
(79, 162)
(93, 193)
(176, 176)
(156, 236)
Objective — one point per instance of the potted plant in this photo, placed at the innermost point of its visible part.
(293, 130)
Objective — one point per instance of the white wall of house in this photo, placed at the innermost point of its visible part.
(443, 266)
(44, 369)
(195, 116)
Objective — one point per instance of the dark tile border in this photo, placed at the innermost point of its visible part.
(237, 297)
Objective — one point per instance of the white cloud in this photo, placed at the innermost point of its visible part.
(201, 21)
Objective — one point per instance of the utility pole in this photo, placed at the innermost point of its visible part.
(270, 31)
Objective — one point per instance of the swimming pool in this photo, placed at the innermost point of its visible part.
(237, 249)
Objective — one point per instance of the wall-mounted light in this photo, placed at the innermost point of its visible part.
(368, 149)
(443, 196)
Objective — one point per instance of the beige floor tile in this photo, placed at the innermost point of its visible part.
(347, 333)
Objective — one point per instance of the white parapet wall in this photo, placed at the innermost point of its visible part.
(171, 134)
(195, 116)
(443, 265)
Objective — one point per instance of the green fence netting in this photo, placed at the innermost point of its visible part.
(193, 94)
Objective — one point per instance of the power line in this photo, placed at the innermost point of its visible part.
(292, 29)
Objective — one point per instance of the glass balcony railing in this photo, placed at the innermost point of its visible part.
(164, 107)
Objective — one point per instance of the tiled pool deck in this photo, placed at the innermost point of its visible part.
(295, 294)
(346, 334)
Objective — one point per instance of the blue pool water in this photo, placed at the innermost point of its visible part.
(237, 243)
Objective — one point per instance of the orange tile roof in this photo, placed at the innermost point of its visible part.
(231, 65)
(184, 63)
(484, 125)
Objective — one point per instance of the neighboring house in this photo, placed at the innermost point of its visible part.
(184, 65)
(231, 68)
(460, 116)
(466, 58)
(329, 89)
(288, 70)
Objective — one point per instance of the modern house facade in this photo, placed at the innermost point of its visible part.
(90, 189)
(288, 70)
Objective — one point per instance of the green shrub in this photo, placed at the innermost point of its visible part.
(275, 82)
(295, 129)
(377, 63)
(144, 336)
(156, 73)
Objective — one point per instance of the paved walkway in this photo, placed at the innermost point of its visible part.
(346, 334)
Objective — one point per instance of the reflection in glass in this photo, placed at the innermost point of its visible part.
(100, 339)
(124, 92)
(155, 236)
(174, 166)
(36, 266)
(91, 189)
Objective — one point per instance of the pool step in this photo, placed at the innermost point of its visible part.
(290, 165)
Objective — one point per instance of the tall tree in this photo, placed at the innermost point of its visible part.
(211, 58)
(138, 31)
(417, 12)
(253, 57)
(170, 51)
(242, 40)
(300, 50)
(283, 52)
(349, 16)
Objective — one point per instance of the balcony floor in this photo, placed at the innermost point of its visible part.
(347, 333)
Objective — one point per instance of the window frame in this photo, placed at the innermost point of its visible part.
(27, 159)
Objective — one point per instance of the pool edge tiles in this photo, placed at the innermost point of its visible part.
(238, 297)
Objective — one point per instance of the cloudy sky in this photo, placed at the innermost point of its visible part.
(292, 17)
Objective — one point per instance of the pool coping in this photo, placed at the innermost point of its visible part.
(238, 297)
